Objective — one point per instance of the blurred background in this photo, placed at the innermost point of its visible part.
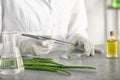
(96, 20)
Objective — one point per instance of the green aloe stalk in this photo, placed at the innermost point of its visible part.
(47, 68)
(48, 64)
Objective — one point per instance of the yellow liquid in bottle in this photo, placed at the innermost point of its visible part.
(112, 48)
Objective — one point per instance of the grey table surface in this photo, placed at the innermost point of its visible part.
(106, 69)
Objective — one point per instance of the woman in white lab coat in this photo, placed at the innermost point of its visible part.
(60, 19)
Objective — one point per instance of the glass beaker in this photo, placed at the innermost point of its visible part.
(11, 61)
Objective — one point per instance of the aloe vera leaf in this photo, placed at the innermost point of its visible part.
(47, 68)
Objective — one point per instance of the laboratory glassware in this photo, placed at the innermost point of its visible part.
(11, 61)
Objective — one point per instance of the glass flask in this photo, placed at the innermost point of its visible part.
(11, 61)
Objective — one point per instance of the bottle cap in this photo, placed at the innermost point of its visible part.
(111, 33)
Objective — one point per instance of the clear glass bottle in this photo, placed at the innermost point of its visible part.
(112, 46)
(11, 61)
(116, 3)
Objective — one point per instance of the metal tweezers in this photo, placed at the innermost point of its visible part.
(44, 38)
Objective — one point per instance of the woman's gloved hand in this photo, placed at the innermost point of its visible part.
(83, 44)
(35, 47)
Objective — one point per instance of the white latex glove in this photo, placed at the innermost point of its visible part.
(35, 47)
(83, 44)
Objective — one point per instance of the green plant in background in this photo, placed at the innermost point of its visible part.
(47, 64)
(116, 3)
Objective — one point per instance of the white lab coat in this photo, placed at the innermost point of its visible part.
(57, 18)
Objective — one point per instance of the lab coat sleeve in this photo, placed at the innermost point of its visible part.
(78, 21)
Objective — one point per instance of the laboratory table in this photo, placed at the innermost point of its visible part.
(106, 69)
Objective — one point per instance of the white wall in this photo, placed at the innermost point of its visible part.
(95, 12)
